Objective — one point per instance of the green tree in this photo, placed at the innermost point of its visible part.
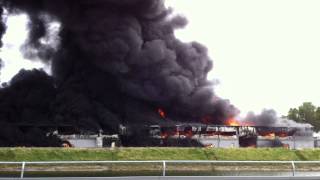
(294, 114)
(318, 113)
(306, 113)
(316, 123)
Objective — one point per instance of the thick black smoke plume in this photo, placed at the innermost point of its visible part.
(116, 62)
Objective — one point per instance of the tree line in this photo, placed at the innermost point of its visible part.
(306, 113)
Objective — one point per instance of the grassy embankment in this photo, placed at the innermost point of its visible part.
(128, 169)
(63, 154)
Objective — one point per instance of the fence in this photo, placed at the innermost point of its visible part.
(164, 163)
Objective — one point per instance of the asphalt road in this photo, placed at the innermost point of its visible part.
(177, 178)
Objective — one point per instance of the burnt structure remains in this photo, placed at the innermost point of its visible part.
(226, 136)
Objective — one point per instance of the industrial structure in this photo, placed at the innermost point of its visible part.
(225, 136)
(187, 134)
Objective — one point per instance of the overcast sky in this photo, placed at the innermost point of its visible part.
(266, 52)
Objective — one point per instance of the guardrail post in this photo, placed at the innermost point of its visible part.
(22, 169)
(293, 168)
(163, 168)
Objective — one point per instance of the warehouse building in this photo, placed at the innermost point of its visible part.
(238, 136)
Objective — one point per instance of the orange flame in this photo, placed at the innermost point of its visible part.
(232, 122)
(270, 135)
(164, 135)
(247, 123)
(161, 113)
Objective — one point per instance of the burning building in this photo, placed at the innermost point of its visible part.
(264, 130)
(291, 137)
(113, 63)
(225, 136)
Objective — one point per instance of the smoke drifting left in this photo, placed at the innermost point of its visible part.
(116, 62)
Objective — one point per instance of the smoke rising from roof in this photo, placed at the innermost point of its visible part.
(268, 117)
(112, 62)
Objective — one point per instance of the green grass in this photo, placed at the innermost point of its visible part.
(63, 154)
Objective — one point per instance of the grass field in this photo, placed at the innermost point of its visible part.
(155, 169)
(63, 154)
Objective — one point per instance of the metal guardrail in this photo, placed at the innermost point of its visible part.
(163, 162)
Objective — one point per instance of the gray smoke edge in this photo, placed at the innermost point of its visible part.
(269, 118)
(2, 31)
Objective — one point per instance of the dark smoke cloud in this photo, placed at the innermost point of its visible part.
(2, 25)
(117, 62)
(38, 44)
(268, 117)
(26, 103)
(2, 31)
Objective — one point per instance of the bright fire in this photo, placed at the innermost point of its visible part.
(161, 113)
(270, 135)
(232, 122)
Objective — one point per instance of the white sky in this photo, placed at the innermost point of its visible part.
(266, 52)
(15, 36)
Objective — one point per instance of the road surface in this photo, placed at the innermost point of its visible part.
(176, 178)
